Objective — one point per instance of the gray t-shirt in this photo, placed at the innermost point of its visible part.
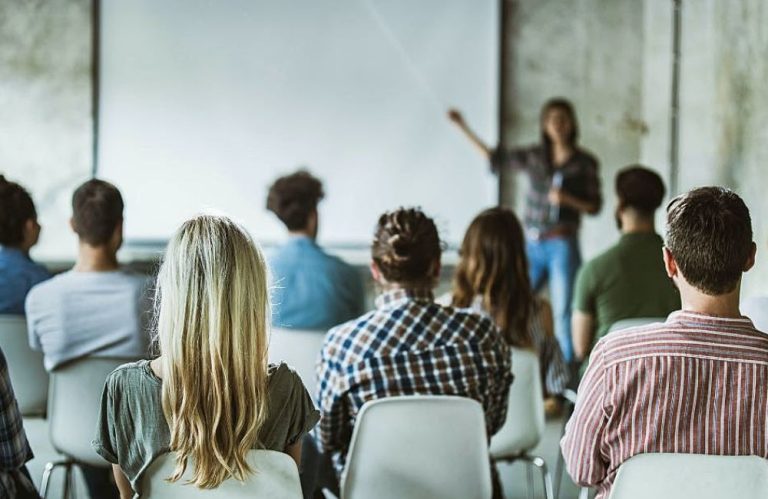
(101, 314)
(132, 430)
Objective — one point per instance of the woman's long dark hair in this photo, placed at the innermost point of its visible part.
(493, 266)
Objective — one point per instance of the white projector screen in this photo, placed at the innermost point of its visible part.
(204, 103)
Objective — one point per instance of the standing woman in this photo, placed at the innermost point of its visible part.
(564, 184)
(211, 396)
(492, 278)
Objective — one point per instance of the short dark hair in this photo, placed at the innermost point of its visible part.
(709, 233)
(640, 188)
(405, 245)
(293, 197)
(97, 210)
(16, 207)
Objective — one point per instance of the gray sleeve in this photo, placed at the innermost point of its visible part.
(105, 443)
(304, 416)
(31, 313)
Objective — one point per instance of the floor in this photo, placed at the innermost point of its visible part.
(513, 476)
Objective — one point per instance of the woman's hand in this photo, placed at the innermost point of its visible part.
(557, 197)
(455, 116)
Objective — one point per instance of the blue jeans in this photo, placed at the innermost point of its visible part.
(556, 260)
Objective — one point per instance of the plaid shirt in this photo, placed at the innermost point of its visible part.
(14, 448)
(409, 345)
(579, 179)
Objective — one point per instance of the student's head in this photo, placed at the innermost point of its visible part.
(709, 240)
(558, 122)
(212, 314)
(18, 218)
(406, 249)
(294, 200)
(494, 267)
(97, 214)
(639, 193)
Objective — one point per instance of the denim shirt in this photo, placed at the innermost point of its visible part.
(18, 273)
(312, 289)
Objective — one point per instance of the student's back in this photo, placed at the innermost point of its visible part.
(75, 314)
(312, 289)
(19, 231)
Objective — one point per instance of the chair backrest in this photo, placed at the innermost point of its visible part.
(524, 425)
(25, 366)
(74, 404)
(276, 476)
(418, 446)
(300, 350)
(635, 322)
(691, 476)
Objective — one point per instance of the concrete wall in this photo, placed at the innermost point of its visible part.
(45, 106)
(611, 57)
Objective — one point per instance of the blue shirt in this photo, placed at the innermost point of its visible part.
(312, 289)
(18, 273)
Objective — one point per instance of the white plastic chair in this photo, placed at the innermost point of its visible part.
(691, 476)
(524, 425)
(73, 410)
(25, 366)
(635, 322)
(275, 477)
(418, 446)
(300, 350)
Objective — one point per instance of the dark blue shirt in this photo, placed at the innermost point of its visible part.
(312, 289)
(18, 273)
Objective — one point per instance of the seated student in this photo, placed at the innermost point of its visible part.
(210, 396)
(628, 280)
(410, 334)
(694, 384)
(312, 289)
(96, 308)
(14, 448)
(19, 231)
(492, 278)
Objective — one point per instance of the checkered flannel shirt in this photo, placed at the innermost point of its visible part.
(14, 448)
(409, 345)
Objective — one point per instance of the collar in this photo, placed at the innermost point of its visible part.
(635, 237)
(698, 318)
(399, 296)
(14, 253)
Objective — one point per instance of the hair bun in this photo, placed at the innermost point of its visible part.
(402, 247)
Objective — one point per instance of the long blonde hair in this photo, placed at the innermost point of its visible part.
(213, 311)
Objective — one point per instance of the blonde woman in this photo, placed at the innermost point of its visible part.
(211, 395)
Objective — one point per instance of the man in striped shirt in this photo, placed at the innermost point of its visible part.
(693, 384)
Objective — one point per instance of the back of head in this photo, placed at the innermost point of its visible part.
(493, 266)
(294, 197)
(97, 210)
(16, 208)
(406, 246)
(640, 189)
(212, 315)
(709, 234)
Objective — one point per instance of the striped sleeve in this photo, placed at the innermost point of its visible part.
(582, 443)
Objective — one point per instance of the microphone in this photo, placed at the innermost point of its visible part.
(554, 209)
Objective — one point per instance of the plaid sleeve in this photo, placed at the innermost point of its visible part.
(14, 448)
(592, 185)
(499, 365)
(515, 159)
(584, 433)
(333, 432)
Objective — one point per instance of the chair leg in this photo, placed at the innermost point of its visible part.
(47, 471)
(529, 476)
(560, 465)
(546, 478)
(584, 493)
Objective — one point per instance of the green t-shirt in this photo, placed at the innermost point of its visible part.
(132, 430)
(626, 281)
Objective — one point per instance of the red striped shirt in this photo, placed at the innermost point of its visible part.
(694, 384)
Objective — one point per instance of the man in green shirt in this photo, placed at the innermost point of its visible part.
(628, 280)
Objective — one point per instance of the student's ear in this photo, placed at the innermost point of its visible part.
(72, 225)
(117, 236)
(31, 233)
(751, 259)
(669, 263)
(435, 271)
(376, 273)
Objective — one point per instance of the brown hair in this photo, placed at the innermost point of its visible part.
(405, 246)
(16, 207)
(565, 106)
(709, 233)
(293, 197)
(640, 188)
(97, 210)
(493, 266)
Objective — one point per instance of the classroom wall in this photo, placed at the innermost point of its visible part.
(612, 58)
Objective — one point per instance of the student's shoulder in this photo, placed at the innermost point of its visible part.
(284, 381)
(606, 260)
(129, 375)
(469, 318)
(49, 287)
